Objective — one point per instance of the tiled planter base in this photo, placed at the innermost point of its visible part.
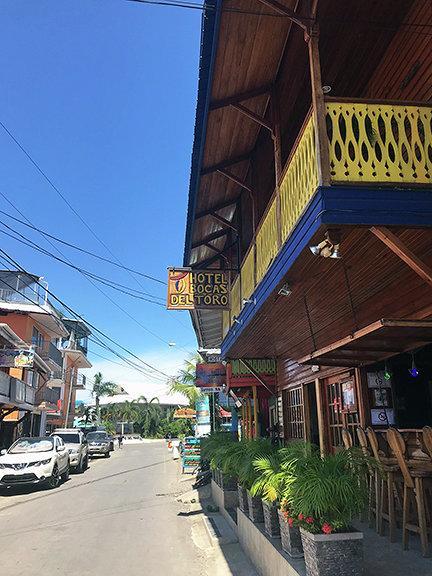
(228, 482)
(243, 499)
(333, 554)
(271, 519)
(255, 509)
(290, 538)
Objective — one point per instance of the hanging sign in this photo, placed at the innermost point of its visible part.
(197, 289)
(16, 358)
(210, 376)
(202, 408)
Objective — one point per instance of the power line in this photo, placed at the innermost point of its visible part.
(70, 245)
(110, 283)
(69, 309)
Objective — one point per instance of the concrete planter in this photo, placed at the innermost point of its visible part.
(271, 519)
(228, 483)
(255, 508)
(290, 538)
(333, 554)
(243, 499)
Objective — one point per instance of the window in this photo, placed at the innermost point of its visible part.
(37, 338)
(294, 411)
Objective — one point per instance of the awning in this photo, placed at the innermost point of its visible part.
(378, 341)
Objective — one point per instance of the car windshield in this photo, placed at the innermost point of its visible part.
(32, 445)
(91, 436)
(69, 438)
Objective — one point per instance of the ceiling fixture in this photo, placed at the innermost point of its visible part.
(326, 89)
(248, 301)
(413, 370)
(236, 320)
(329, 247)
(286, 290)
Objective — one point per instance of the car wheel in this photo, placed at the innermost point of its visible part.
(54, 479)
(65, 475)
(107, 454)
(80, 468)
(86, 462)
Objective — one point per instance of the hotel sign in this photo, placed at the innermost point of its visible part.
(197, 289)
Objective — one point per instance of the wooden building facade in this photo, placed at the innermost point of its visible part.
(314, 129)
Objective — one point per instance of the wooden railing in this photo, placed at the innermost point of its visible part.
(369, 142)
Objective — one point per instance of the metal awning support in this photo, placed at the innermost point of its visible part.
(256, 375)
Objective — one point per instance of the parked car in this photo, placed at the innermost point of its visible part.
(99, 443)
(36, 460)
(77, 446)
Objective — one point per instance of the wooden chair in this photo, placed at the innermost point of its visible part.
(416, 512)
(374, 481)
(347, 439)
(387, 497)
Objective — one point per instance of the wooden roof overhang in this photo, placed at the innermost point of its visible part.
(378, 341)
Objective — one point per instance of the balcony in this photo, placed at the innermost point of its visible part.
(49, 352)
(47, 395)
(375, 143)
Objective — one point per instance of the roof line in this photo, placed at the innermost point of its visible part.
(209, 39)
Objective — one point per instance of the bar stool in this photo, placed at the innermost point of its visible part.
(374, 481)
(388, 490)
(347, 439)
(415, 509)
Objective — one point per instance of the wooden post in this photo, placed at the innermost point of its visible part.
(276, 136)
(321, 420)
(243, 420)
(255, 401)
(319, 109)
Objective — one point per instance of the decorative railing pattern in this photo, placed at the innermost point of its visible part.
(300, 180)
(267, 244)
(248, 274)
(379, 142)
(375, 143)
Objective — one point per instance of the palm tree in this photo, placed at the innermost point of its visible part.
(184, 382)
(100, 389)
(150, 415)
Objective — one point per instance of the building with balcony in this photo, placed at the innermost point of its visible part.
(311, 183)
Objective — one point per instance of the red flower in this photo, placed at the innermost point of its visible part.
(309, 520)
(290, 522)
(285, 513)
(300, 516)
(327, 528)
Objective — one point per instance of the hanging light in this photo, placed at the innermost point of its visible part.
(329, 247)
(387, 373)
(413, 370)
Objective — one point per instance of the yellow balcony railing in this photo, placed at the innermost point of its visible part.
(379, 142)
(368, 142)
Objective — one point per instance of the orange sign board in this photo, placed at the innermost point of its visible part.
(197, 289)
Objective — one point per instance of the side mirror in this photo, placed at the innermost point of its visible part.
(61, 448)
(3, 452)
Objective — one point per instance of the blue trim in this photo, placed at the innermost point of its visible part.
(336, 205)
(209, 40)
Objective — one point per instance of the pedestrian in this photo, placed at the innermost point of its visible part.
(120, 441)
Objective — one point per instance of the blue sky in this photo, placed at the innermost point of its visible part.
(102, 93)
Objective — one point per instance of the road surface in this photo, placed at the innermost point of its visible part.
(118, 518)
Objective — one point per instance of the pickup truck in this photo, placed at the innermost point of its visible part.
(77, 447)
(99, 443)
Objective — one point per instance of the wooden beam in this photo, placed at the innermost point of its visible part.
(301, 21)
(398, 247)
(236, 179)
(225, 164)
(224, 222)
(240, 97)
(321, 417)
(208, 261)
(216, 208)
(210, 237)
(255, 409)
(253, 116)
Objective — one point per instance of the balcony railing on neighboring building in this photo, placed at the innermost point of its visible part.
(24, 295)
(377, 143)
(46, 394)
(48, 351)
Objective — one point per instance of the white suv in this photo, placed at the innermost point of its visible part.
(77, 446)
(34, 461)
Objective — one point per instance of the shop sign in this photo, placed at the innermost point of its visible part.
(382, 417)
(197, 289)
(202, 408)
(16, 358)
(210, 376)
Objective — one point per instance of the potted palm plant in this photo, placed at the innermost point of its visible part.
(325, 495)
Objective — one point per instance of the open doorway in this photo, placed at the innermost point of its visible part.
(311, 407)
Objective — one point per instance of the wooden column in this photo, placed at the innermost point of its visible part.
(321, 418)
(319, 108)
(255, 408)
(276, 136)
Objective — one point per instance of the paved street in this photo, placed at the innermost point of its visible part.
(119, 517)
